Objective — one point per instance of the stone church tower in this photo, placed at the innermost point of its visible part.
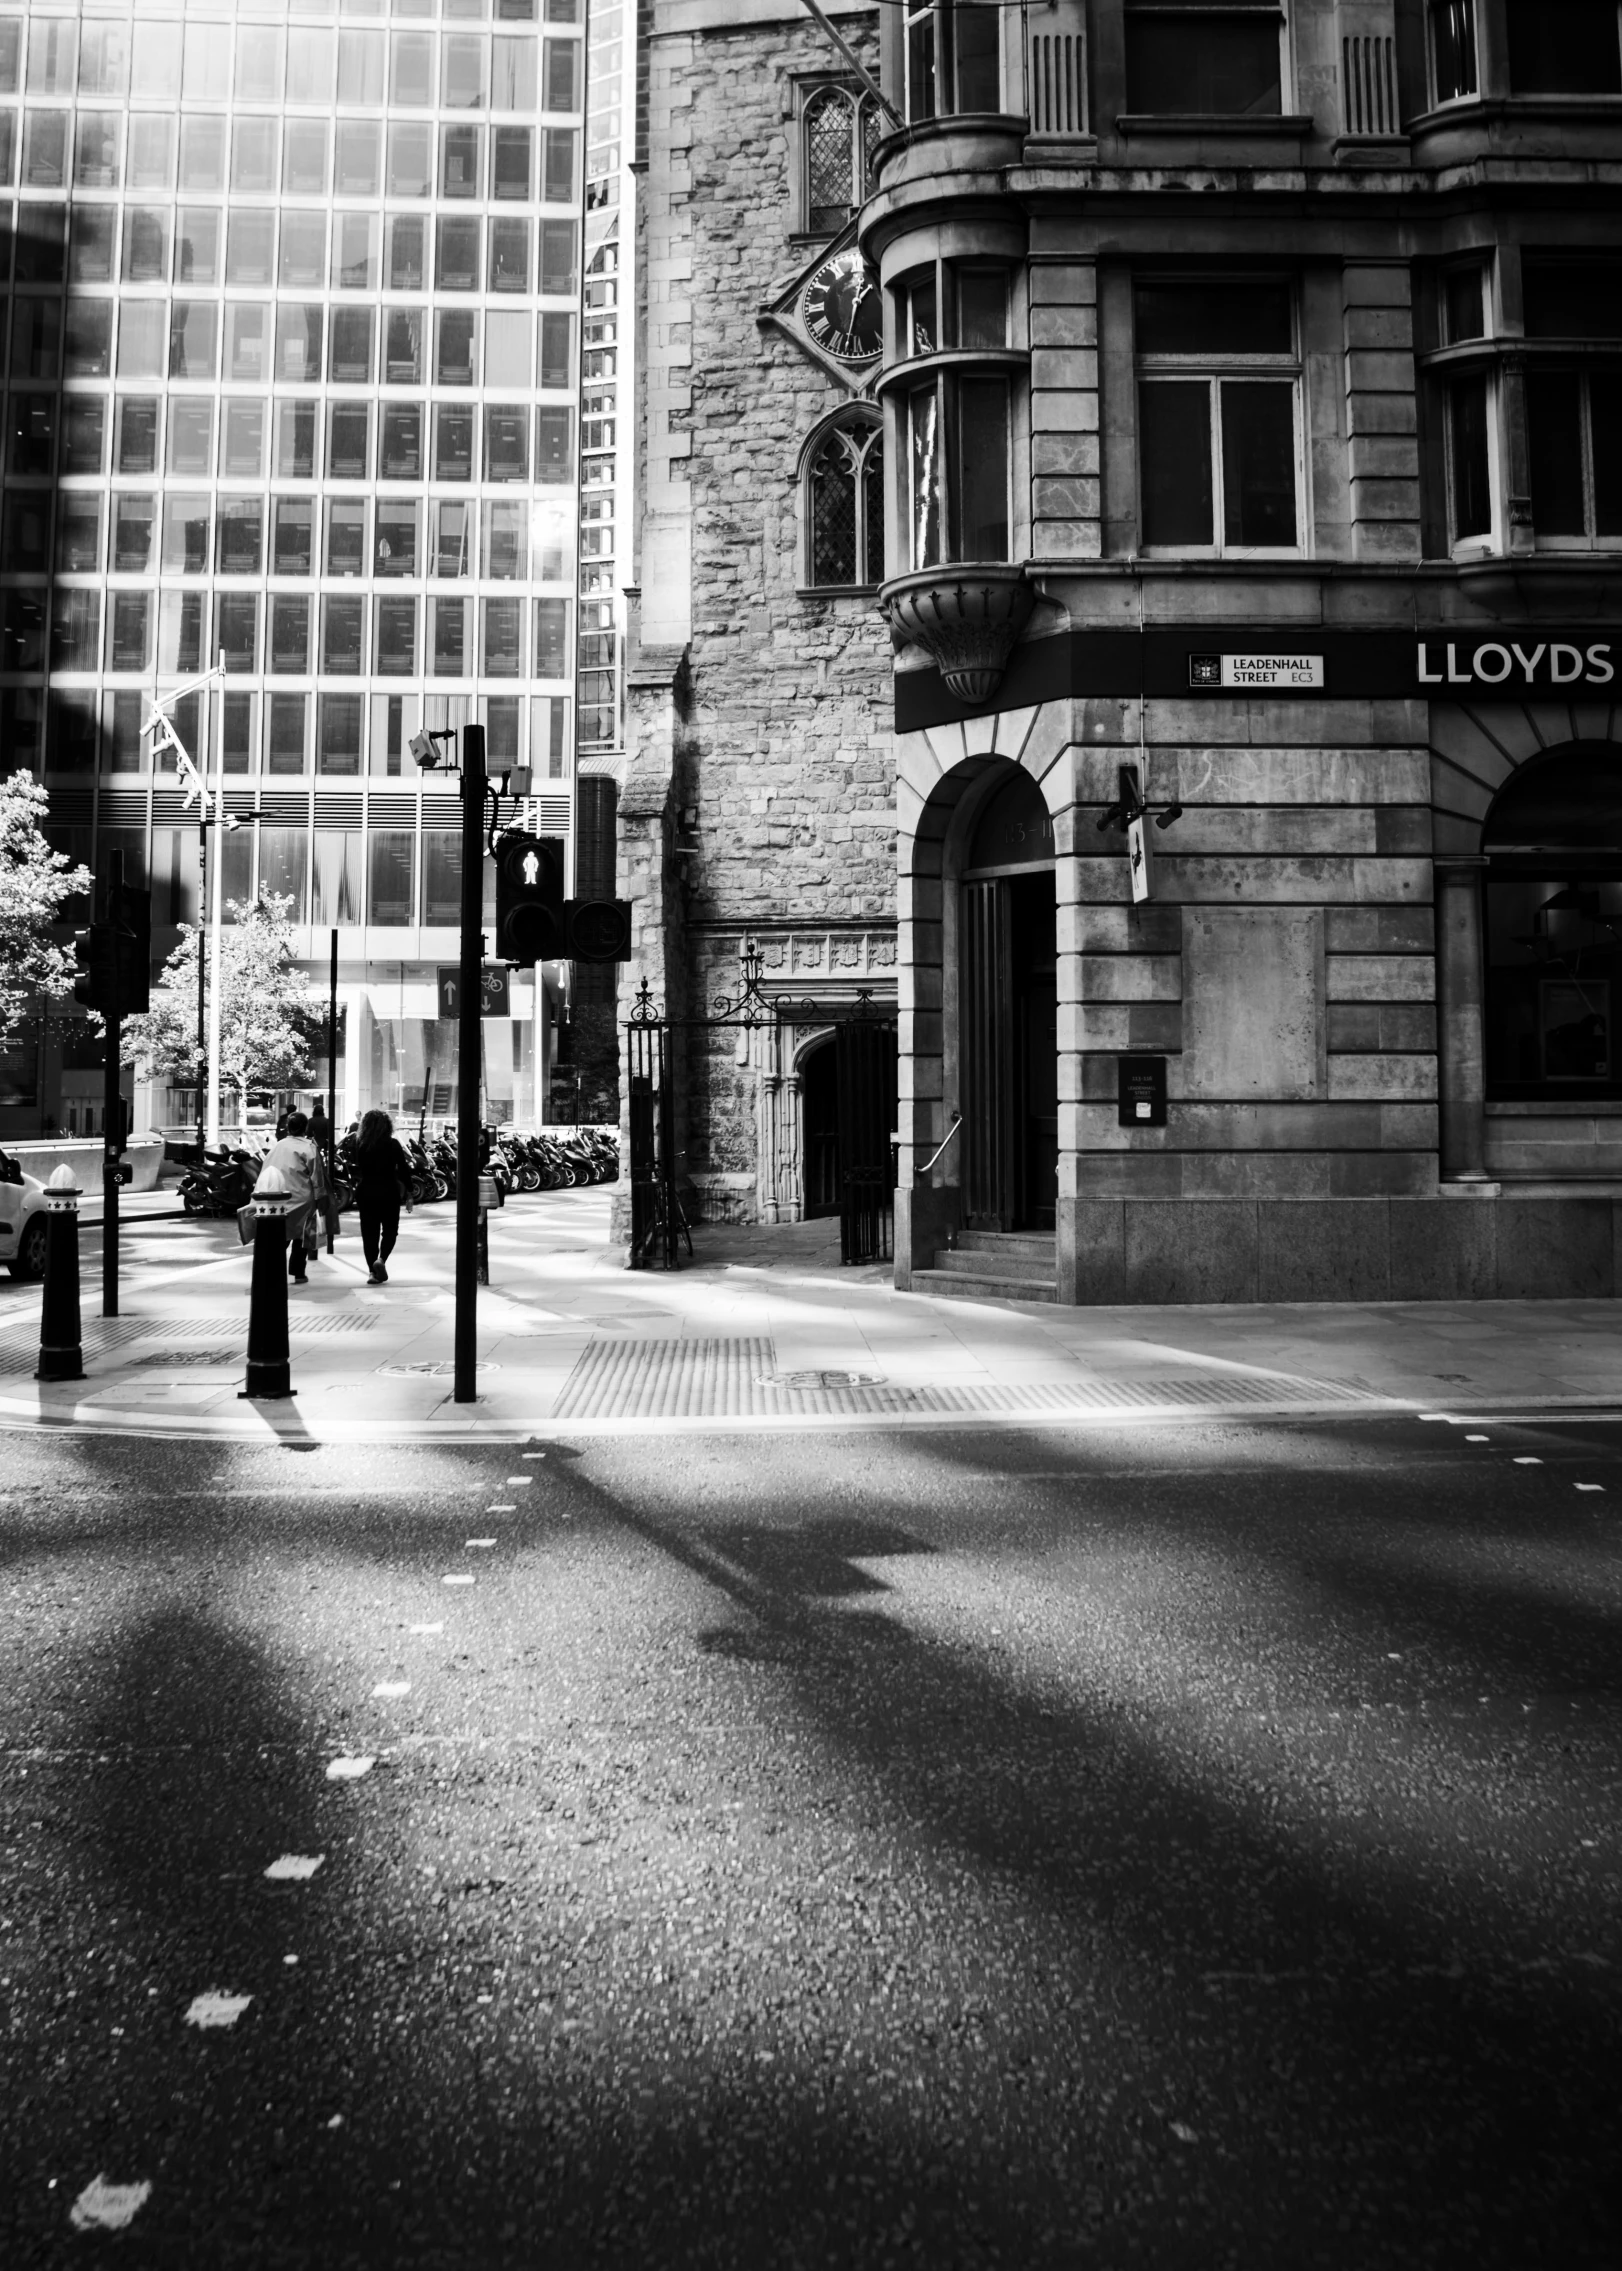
(759, 790)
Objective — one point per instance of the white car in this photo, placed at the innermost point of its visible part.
(22, 1220)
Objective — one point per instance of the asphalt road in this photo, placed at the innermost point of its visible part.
(1177, 1846)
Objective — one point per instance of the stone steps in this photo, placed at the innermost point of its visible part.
(993, 1265)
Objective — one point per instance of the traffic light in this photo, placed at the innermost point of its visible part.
(129, 914)
(95, 956)
(597, 930)
(529, 900)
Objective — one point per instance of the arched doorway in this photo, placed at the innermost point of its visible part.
(1009, 1013)
(1552, 843)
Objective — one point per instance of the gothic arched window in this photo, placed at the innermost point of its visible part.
(839, 130)
(845, 506)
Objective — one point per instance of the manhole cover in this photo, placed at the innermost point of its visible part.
(432, 1368)
(838, 1379)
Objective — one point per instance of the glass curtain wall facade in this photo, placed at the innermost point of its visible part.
(605, 378)
(291, 384)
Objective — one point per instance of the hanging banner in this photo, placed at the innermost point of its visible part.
(1142, 860)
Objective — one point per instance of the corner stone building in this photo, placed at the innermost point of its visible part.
(1251, 391)
(759, 799)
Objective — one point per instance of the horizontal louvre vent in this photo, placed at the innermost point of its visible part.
(337, 811)
(70, 807)
(391, 812)
(1368, 77)
(169, 809)
(287, 807)
(553, 815)
(122, 808)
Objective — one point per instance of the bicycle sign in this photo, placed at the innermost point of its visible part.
(495, 990)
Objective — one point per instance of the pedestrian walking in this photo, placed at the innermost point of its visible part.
(320, 1128)
(306, 1173)
(382, 1187)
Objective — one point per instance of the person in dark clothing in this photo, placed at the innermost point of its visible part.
(382, 1186)
(320, 1127)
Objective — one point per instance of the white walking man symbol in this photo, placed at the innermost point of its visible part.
(532, 869)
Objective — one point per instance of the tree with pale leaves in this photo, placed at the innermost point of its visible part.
(270, 1016)
(35, 883)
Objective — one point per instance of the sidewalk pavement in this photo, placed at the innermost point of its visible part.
(763, 1329)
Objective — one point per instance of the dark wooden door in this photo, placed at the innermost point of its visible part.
(1009, 1053)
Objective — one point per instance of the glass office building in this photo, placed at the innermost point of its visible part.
(292, 387)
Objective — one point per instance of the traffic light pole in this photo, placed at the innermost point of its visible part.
(468, 1009)
(112, 1108)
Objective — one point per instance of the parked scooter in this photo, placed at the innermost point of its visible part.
(223, 1182)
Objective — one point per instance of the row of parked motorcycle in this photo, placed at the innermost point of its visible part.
(223, 1180)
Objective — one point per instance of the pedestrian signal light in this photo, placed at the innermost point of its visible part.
(529, 900)
(597, 930)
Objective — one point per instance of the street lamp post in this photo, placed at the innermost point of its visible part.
(208, 1005)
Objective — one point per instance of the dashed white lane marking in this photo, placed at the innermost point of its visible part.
(1524, 1461)
(509, 1508)
(336, 2122)
(520, 1482)
(479, 1545)
(348, 1769)
(421, 1629)
(294, 1868)
(392, 1688)
(1478, 1439)
(1590, 1486)
(216, 2009)
(104, 2207)
(290, 1959)
(531, 1455)
(461, 1579)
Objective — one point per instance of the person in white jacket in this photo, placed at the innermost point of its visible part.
(301, 1162)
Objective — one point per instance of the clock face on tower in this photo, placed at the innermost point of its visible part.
(840, 308)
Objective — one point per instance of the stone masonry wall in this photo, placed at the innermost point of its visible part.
(792, 765)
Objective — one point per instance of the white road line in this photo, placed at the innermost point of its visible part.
(533, 1455)
(421, 1629)
(507, 1509)
(479, 1545)
(294, 1868)
(461, 1579)
(519, 1482)
(1590, 1486)
(1524, 1461)
(104, 2207)
(1478, 1439)
(216, 2008)
(392, 1688)
(348, 1769)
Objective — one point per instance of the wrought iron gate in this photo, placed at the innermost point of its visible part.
(865, 1041)
(657, 1221)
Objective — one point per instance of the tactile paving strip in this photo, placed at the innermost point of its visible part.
(102, 1336)
(727, 1379)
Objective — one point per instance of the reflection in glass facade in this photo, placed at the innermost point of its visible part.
(291, 380)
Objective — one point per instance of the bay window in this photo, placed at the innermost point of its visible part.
(1453, 49)
(958, 467)
(953, 58)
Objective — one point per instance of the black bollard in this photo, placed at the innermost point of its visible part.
(60, 1355)
(269, 1368)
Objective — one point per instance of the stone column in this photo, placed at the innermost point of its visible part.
(1459, 988)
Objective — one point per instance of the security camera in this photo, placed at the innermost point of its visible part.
(424, 755)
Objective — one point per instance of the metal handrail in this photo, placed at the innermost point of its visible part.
(957, 1122)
